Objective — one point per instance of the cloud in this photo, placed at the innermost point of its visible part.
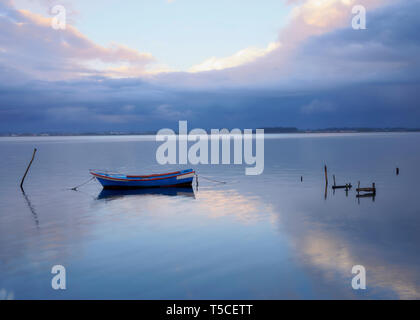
(29, 44)
(308, 18)
(338, 77)
(239, 58)
(68, 53)
(290, 64)
(316, 17)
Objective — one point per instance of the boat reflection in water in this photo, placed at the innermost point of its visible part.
(111, 194)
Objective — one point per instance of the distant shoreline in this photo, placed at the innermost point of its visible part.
(267, 130)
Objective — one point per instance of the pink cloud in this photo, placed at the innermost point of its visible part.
(308, 18)
(31, 45)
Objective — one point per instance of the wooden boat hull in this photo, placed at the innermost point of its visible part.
(182, 178)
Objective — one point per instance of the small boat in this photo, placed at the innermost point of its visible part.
(181, 178)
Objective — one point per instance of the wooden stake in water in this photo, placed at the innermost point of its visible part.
(326, 175)
(27, 169)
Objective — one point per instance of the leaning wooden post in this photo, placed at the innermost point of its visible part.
(27, 169)
(326, 175)
(326, 192)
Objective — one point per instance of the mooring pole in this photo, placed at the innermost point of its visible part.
(334, 179)
(326, 175)
(326, 192)
(27, 169)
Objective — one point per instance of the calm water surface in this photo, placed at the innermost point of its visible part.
(256, 237)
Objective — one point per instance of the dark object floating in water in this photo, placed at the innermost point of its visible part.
(372, 189)
(110, 194)
(366, 195)
(369, 192)
(346, 186)
(181, 178)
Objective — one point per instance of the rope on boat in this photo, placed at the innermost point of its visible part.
(76, 187)
(196, 176)
(213, 180)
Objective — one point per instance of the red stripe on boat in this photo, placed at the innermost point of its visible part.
(122, 179)
(154, 175)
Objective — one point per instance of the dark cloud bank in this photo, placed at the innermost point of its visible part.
(366, 78)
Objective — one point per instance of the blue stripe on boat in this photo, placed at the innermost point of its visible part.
(172, 179)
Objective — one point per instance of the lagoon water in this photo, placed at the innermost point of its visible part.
(256, 237)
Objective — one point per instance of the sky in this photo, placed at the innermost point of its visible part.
(171, 30)
(145, 65)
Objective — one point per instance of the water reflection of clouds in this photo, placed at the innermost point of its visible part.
(320, 241)
(208, 203)
(328, 238)
(220, 203)
(313, 245)
(333, 254)
(328, 243)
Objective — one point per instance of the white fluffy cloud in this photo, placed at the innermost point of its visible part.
(307, 18)
(239, 58)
